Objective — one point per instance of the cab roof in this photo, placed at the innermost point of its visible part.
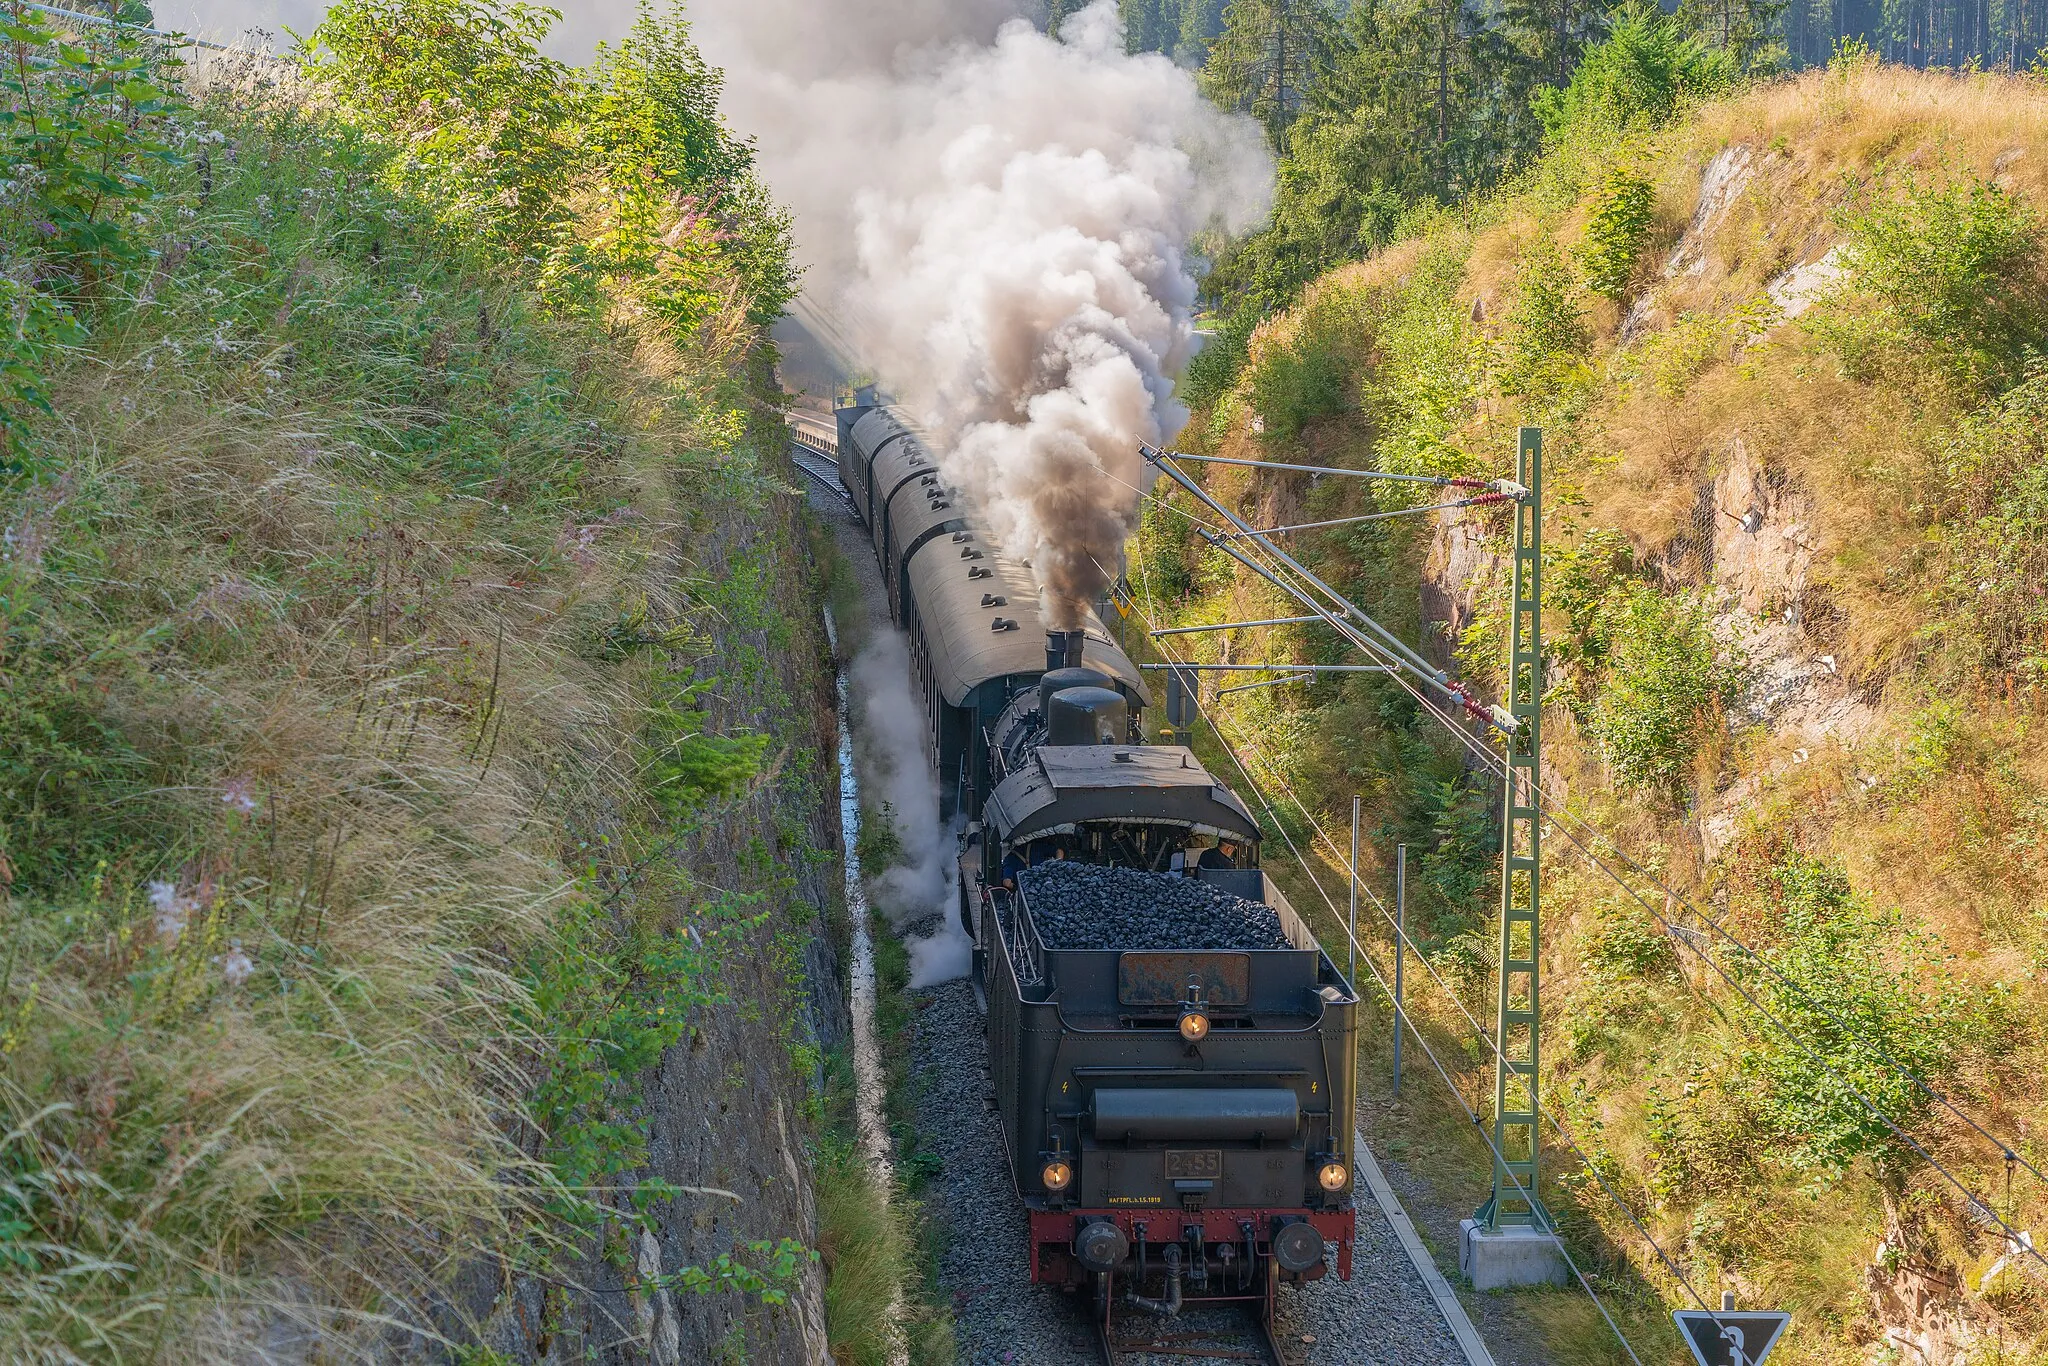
(1062, 786)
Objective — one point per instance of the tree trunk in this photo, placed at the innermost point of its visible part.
(1443, 80)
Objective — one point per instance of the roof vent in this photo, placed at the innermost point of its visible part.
(1123, 756)
(960, 536)
(994, 600)
(980, 571)
(970, 553)
(1002, 624)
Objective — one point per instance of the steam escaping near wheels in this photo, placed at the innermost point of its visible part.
(997, 222)
(917, 884)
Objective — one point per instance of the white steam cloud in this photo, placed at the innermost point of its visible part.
(896, 769)
(999, 222)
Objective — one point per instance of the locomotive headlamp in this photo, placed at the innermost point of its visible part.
(1058, 1174)
(1333, 1176)
(1194, 1023)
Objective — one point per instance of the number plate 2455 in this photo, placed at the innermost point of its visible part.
(1193, 1164)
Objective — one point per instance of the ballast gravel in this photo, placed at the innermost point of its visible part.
(1087, 906)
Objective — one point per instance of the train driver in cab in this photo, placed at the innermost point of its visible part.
(1223, 855)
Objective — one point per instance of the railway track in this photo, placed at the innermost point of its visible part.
(817, 466)
(1217, 1333)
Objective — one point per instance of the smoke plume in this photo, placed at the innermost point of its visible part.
(998, 222)
(995, 224)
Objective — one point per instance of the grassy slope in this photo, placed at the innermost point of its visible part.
(1426, 357)
(341, 588)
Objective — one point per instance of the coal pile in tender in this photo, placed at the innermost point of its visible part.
(1083, 906)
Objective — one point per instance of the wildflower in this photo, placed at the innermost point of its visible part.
(578, 543)
(173, 909)
(239, 794)
(236, 967)
(22, 545)
(45, 228)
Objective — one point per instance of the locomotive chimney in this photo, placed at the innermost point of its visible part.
(1063, 649)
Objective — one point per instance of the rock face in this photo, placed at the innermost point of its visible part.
(1458, 568)
(1760, 572)
(724, 1111)
(1762, 568)
(1920, 1312)
(1721, 183)
(1923, 1306)
(1801, 287)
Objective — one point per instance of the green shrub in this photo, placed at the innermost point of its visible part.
(1546, 339)
(1859, 990)
(1646, 70)
(1947, 273)
(1165, 541)
(685, 766)
(88, 126)
(1629, 946)
(1577, 580)
(618, 177)
(1995, 537)
(1707, 1140)
(1623, 210)
(1215, 368)
(1430, 367)
(1460, 864)
(1308, 376)
(880, 845)
(1664, 686)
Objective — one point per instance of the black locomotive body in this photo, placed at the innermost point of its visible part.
(1176, 1106)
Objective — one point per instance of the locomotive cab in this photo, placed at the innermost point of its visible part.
(1158, 1081)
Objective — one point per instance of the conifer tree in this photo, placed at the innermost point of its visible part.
(1201, 23)
(1268, 57)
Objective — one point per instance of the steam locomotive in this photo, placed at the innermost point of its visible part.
(1177, 1115)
